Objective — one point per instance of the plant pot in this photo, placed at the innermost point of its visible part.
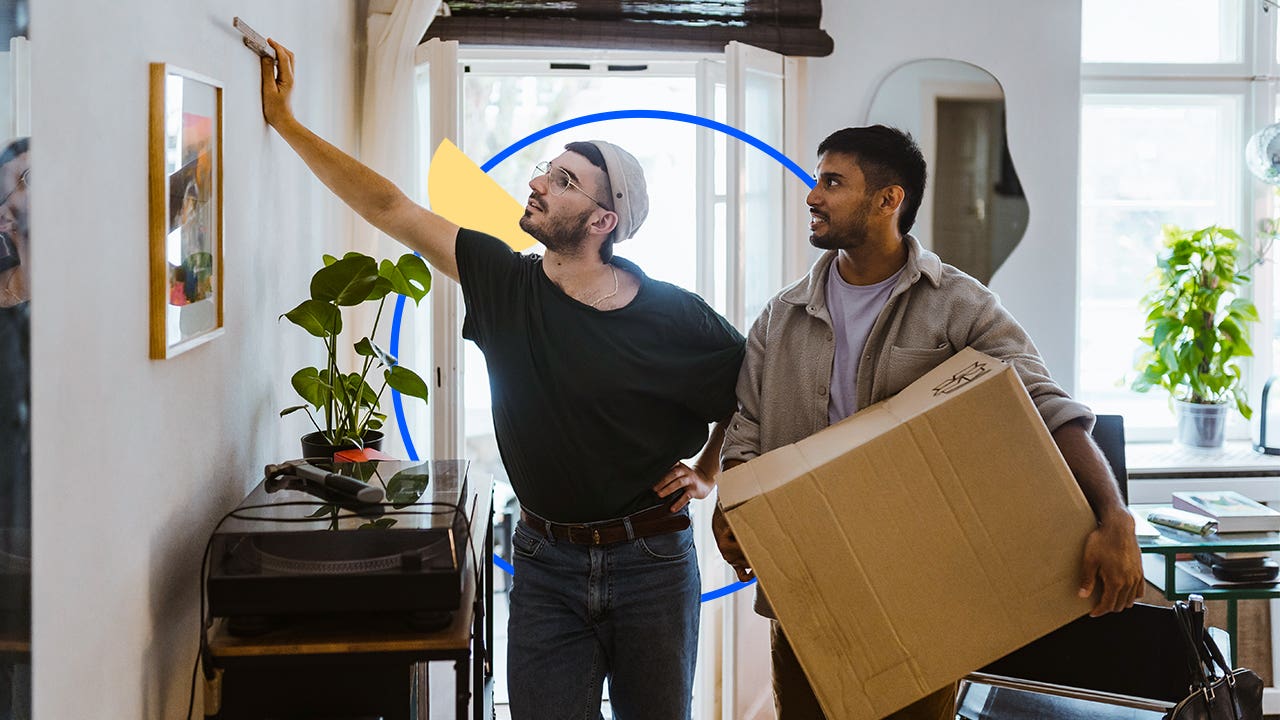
(1200, 425)
(314, 445)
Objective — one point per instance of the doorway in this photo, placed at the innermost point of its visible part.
(970, 137)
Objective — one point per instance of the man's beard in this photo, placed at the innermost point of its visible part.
(564, 235)
(849, 237)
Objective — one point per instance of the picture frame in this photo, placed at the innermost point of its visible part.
(185, 196)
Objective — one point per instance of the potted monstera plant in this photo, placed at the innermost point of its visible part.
(346, 402)
(1197, 328)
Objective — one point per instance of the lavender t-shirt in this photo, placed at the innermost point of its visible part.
(854, 309)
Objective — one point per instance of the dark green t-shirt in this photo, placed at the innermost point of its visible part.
(591, 408)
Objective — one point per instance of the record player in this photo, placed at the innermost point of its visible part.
(295, 548)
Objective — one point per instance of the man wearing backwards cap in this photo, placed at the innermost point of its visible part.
(602, 380)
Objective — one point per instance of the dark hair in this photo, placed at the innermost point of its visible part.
(14, 149)
(595, 157)
(886, 156)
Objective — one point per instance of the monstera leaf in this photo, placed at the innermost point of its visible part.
(346, 400)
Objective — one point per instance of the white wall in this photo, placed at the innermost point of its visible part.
(1033, 49)
(135, 459)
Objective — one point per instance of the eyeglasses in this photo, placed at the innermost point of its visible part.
(24, 180)
(559, 182)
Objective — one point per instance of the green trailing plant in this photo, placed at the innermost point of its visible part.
(346, 401)
(1197, 322)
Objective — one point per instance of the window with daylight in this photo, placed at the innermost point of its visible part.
(1172, 90)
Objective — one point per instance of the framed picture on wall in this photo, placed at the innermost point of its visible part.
(186, 210)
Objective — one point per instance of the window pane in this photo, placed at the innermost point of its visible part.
(1161, 31)
(762, 180)
(1145, 161)
(418, 319)
(720, 209)
(1270, 209)
(422, 98)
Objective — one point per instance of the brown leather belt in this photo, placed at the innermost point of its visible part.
(646, 523)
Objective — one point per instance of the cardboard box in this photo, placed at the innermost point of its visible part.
(916, 541)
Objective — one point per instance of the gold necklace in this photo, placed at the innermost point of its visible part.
(615, 288)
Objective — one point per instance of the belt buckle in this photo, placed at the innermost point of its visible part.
(574, 530)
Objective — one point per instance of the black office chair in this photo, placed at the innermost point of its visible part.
(1123, 666)
(1108, 432)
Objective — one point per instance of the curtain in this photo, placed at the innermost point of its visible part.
(388, 140)
(388, 144)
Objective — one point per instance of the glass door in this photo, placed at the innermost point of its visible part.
(721, 223)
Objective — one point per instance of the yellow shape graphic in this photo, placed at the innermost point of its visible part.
(462, 193)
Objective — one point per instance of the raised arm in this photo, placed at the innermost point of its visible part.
(374, 197)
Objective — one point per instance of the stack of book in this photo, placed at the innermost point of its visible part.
(1233, 513)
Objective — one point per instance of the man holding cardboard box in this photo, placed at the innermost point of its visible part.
(875, 313)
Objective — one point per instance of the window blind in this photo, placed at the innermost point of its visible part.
(789, 27)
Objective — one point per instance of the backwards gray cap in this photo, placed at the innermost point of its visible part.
(629, 194)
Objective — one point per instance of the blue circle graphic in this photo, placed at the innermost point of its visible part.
(528, 140)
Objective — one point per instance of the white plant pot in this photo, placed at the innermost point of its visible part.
(1200, 425)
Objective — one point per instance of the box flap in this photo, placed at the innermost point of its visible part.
(962, 371)
(956, 375)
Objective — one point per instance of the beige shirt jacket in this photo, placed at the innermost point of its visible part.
(934, 311)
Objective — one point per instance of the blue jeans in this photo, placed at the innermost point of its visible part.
(581, 614)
